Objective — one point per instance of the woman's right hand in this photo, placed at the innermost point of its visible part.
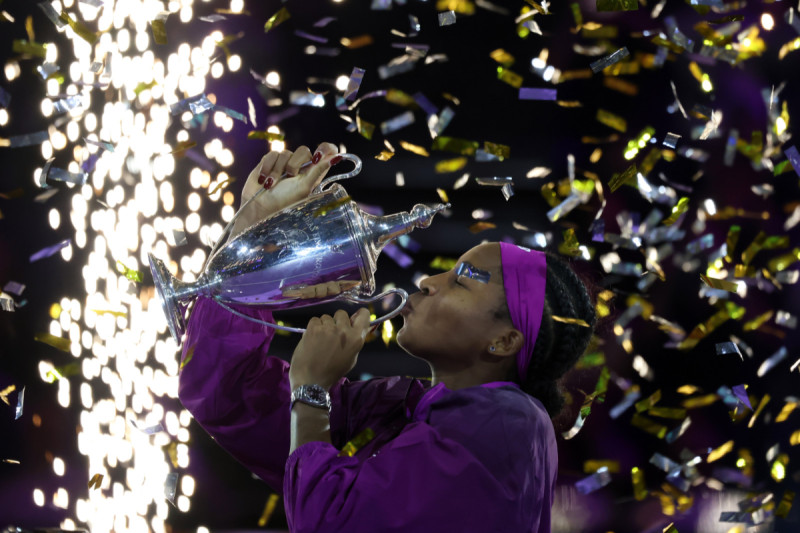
(288, 177)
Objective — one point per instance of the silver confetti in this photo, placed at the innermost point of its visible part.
(67, 104)
(724, 348)
(596, 481)
(609, 60)
(772, 361)
(14, 287)
(568, 204)
(171, 486)
(20, 400)
(671, 140)
(786, 319)
(356, 77)
(447, 18)
(6, 304)
(400, 121)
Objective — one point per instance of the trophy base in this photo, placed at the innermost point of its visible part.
(165, 287)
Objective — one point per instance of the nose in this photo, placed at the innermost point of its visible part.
(428, 285)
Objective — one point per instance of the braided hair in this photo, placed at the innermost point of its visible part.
(559, 345)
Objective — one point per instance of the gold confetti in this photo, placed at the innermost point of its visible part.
(356, 42)
(755, 246)
(419, 150)
(80, 29)
(649, 426)
(570, 245)
(627, 177)
(21, 46)
(118, 314)
(221, 185)
(481, 226)
(510, 77)
(569, 320)
(181, 147)
(593, 465)
(611, 120)
(730, 242)
(281, 16)
(667, 412)
(680, 208)
(639, 488)
(133, 275)
(700, 401)
(189, 355)
(52, 340)
(450, 165)
(720, 452)
(785, 504)
(620, 85)
(500, 150)
(144, 86)
(398, 97)
(455, 145)
(756, 323)
(366, 129)
(784, 261)
(172, 452)
(722, 284)
(761, 405)
(647, 403)
(5, 392)
(778, 468)
(96, 481)
(358, 442)
(499, 55)
(385, 155)
(266, 135)
(730, 310)
(159, 26)
(269, 508)
(617, 5)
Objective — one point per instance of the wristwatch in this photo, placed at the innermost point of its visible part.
(314, 395)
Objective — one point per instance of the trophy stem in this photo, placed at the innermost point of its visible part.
(174, 295)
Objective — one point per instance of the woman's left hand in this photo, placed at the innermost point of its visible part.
(329, 348)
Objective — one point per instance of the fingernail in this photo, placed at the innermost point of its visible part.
(316, 158)
(269, 182)
(373, 328)
(261, 179)
(336, 160)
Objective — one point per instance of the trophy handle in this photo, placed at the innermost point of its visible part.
(330, 179)
(393, 313)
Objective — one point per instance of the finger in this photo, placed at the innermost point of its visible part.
(261, 171)
(332, 288)
(324, 150)
(314, 175)
(342, 319)
(346, 285)
(300, 157)
(280, 165)
(327, 320)
(360, 321)
(314, 322)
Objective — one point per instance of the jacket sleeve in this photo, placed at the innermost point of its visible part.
(421, 481)
(241, 396)
(237, 393)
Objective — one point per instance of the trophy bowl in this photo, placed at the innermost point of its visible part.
(322, 238)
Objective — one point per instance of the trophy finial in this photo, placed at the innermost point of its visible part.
(423, 214)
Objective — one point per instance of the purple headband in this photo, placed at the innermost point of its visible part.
(524, 280)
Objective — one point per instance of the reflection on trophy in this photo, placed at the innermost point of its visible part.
(324, 238)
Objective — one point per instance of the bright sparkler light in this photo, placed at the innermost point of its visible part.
(113, 329)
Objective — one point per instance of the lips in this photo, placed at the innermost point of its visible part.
(407, 308)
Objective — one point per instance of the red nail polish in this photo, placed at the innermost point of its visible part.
(261, 179)
(336, 160)
(269, 183)
(316, 158)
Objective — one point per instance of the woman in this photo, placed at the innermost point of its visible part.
(472, 450)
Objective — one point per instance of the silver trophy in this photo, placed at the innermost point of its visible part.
(325, 237)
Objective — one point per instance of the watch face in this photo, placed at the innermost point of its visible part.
(317, 394)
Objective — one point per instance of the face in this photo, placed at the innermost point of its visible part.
(451, 322)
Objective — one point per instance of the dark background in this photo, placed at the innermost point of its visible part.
(539, 134)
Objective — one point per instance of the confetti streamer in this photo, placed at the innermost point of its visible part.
(397, 123)
(772, 361)
(159, 26)
(282, 15)
(447, 18)
(269, 509)
(531, 93)
(171, 485)
(80, 29)
(51, 340)
(609, 60)
(96, 481)
(358, 442)
(596, 481)
(354, 83)
(50, 250)
(20, 401)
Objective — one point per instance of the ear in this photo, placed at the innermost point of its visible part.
(508, 343)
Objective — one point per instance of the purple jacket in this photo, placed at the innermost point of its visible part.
(480, 459)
